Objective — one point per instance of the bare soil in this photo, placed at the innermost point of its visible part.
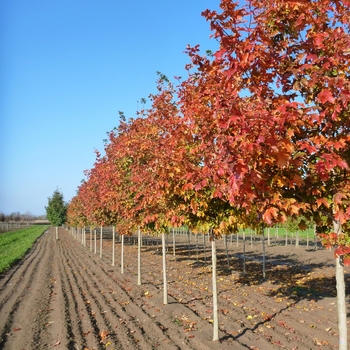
(64, 296)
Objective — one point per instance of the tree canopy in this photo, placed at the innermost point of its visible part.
(56, 209)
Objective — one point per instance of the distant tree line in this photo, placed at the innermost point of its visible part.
(19, 217)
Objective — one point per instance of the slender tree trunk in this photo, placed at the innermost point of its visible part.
(165, 283)
(264, 254)
(215, 291)
(56, 233)
(95, 234)
(286, 243)
(101, 229)
(139, 282)
(341, 302)
(315, 238)
(276, 233)
(113, 246)
(174, 244)
(90, 239)
(167, 243)
(122, 255)
(205, 248)
(226, 247)
(296, 239)
(189, 242)
(244, 264)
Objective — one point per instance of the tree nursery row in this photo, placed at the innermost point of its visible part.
(258, 133)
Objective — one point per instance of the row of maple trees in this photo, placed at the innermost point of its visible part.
(257, 132)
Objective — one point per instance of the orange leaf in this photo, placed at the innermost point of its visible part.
(338, 197)
(270, 214)
(103, 335)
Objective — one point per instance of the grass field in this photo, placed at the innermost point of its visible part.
(14, 244)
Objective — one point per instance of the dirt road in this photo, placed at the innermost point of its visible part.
(63, 296)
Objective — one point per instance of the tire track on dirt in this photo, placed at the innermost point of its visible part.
(29, 294)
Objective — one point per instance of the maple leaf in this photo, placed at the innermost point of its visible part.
(325, 96)
(282, 159)
(337, 198)
(302, 225)
(270, 214)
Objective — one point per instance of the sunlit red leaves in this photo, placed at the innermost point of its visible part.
(325, 96)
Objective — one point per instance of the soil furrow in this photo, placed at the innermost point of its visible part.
(134, 305)
(32, 292)
(91, 288)
(145, 304)
(106, 300)
(82, 307)
(13, 280)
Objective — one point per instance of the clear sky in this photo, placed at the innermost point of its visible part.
(66, 68)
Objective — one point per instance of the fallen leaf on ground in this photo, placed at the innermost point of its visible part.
(103, 335)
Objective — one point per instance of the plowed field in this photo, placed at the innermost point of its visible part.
(64, 296)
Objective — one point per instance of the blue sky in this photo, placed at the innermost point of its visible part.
(66, 69)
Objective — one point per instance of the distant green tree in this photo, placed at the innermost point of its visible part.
(56, 210)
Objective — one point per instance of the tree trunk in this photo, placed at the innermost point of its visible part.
(286, 243)
(113, 246)
(122, 255)
(95, 234)
(215, 292)
(56, 233)
(226, 247)
(174, 243)
(315, 238)
(341, 303)
(264, 254)
(101, 229)
(90, 239)
(189, 242)
(165, 283)
(296, 239)
(244, 264)
(139, 282)
(205, 248)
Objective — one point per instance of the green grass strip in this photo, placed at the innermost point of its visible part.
(14, 244)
